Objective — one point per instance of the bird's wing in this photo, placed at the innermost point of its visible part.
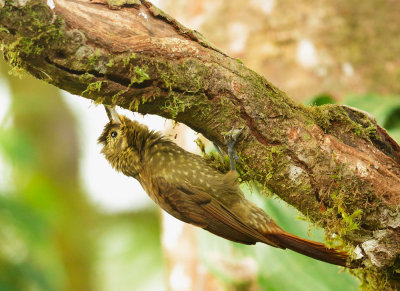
(198, 207)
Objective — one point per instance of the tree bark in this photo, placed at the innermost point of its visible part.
(333, 163)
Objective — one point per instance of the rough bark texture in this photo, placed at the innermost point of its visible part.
(333, 163)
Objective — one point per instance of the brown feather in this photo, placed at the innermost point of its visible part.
(311, 249)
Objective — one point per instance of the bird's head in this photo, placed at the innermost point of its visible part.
(114, 137)
(124, 142)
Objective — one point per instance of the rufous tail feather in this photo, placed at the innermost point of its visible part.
(312, 249)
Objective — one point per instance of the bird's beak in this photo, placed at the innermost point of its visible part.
(112, 114)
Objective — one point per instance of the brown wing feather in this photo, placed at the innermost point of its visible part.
(178, 206)
(190, 201)
(195, 206)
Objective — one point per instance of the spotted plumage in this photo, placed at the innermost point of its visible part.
(186, 187)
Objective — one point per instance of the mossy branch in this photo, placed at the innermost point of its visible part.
(333, 163)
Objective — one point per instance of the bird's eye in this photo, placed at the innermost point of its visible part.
(114, 134)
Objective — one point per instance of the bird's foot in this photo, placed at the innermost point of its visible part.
(230, 139)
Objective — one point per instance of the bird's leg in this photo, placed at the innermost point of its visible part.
(230, 139)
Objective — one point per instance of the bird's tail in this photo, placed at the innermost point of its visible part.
(312, 249)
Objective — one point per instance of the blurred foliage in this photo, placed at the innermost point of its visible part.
(52, 237)
(23, 236)
(321, 99)
(129, 252)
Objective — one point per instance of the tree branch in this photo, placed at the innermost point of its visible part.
(333, 163)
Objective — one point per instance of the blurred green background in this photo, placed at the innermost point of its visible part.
(52, 237)
(55, 236)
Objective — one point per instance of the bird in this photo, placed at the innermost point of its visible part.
(185, 186)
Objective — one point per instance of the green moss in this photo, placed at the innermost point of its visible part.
(110, 63)
(13, 57)
(272, 162)
(328, 115)
(100, 100)
(184, 81)
(40, 25)
(86, 77)
(372, 279)
(347, 202)
(127, 60)
(93, 87)
(165, 77)
(366, 131)
(358, 130)
(3, 29)
(93, 58)
(134, 105)
(228, 110)
(349, 222)
(186, 76)
(178, 102)
(175, 105)
(139, 75)
(371, 132)
(22, 47)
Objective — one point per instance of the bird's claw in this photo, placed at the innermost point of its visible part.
(230, 139)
